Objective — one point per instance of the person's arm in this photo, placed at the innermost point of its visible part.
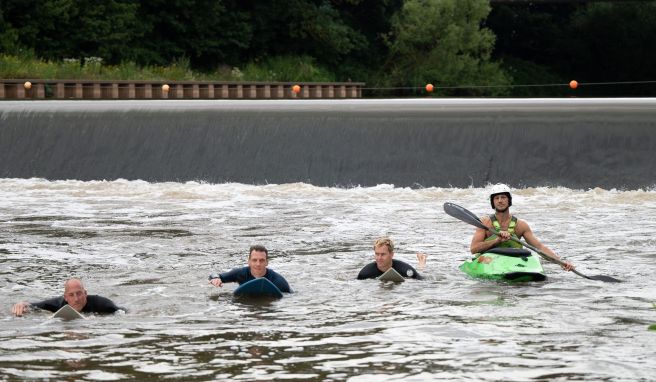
(532, 240)
(215, 280)
(369, 271)
(421, 260)
(51, 304)
(406, 270)
(227, 277)
(20, 308)
(416, 275)
(479, 244)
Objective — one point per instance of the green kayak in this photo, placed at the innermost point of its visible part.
(509, 264)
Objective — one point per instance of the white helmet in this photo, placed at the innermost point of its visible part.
(500, 189)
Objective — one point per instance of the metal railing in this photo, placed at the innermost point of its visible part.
(90, 89)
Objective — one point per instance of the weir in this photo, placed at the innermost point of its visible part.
(575, 143)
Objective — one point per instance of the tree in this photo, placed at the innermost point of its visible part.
(55, 29)
(208, 32)
(442, 42)
(611, 42)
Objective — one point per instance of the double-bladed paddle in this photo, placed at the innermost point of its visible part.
(468, 217)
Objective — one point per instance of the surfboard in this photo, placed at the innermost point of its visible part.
(391, 275)
(67, 313)
(260, 287)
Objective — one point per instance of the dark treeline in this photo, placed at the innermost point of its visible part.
(465, 47)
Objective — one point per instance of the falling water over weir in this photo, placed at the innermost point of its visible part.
(580, 143)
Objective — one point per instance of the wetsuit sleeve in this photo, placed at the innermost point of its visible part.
(370, 271)
(237, 275)
(52, 304)
(99, 304)
(280, 282)
(406, 270)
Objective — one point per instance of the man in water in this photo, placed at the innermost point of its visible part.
(384, 260)
(258, 260)
(508, 226)
(74, 295)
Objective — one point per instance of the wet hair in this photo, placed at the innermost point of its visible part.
(258, 248)
(384, 241)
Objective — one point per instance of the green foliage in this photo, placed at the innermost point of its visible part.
(70, 28)
(386, 43)
(284, 69)
(527, 77)
(303, 27)
(441, 42)
(611, 43)
(589, 42)
(287, 68)
(208, 32)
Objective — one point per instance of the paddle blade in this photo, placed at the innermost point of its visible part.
(606, 279)
(463, 214)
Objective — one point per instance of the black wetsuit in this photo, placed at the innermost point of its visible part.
(95, 304)
(242, 275)
(371, 271)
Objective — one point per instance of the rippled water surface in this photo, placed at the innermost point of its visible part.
(150, 247)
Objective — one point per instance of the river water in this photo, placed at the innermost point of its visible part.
(150, 247)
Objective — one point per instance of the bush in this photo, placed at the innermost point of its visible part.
(284, 69)
(287, 69)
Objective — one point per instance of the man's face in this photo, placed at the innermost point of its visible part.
(500, 202)
(258, 263)
(75, 295)
(383, 257)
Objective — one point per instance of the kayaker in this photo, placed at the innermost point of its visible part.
(384, 260)
(74, 295)
(258, 260)
(507, 225)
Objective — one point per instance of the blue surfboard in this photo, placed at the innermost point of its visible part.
(260, 287)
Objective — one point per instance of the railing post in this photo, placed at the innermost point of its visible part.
(148, 91)
(96, 93)
(20, 91)
(279, 91)
(60, 91)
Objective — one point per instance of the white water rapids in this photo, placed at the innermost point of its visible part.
(150, 247)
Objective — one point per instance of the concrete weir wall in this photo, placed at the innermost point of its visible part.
(577, 143)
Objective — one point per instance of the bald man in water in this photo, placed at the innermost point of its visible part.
(74, 295)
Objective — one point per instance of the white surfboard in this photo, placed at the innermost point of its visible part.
(391, 275)
(67, 313)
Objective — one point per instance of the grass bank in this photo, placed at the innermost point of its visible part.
(284, 69)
